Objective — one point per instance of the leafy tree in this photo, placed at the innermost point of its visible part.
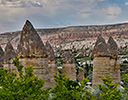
(26, 87)
(125, 79)
(109, 91)
(67, 89)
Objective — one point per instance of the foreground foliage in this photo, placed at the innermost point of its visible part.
(67, 89)
(109, 90)
(29, 87)
(126, 86)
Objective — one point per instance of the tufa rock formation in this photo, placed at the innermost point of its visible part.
(30, 43)
(68, 66)
(114, 62)
(99, 40)
(100, 48)
(80, 74)
(51, 63)
(67, 58)
(105, 62)
(32, 52)
(50, 53)
(113, 48)
(9, 54)
(101, 61)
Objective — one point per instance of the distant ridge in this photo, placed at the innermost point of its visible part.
(70, 34)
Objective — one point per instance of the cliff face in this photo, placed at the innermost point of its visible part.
(75, 35)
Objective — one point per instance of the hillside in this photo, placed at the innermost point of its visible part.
(74, 36)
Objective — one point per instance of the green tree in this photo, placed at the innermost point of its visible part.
(67, 89)
(125, 79)
(109, 90)
(26, 87)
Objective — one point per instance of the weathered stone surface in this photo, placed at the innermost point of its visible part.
(105, 62)
(40, 68)
(1, 56)
(69, 70)
(80, 74)
(52, 71)
(101, 68)
(115, 70)
(99, 40)
(9, 54)
(50, 53)
(100, 48)
(30, 44)
(67, 58)
(113, 48)
(68, 66)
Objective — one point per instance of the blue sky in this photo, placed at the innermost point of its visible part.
(61, 13)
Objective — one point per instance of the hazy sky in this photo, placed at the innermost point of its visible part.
(59, 13)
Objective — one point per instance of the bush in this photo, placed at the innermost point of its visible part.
(125, 79)
(26, 87)
(67, 89)
(109, 91)
(29, 87)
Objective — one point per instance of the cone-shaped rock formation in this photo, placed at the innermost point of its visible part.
(30, 44)
(50, 53)
(100, 48)
(68, 58)
(9, 53)
(113, 48)
(100, 39)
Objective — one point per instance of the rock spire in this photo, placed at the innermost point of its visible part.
(68, 58)
(113, 48)
(50, 53)
(30, 44)
(101, 48)
(9, 53)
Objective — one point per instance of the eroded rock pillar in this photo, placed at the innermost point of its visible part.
(101, 61)
(68, 66)
(80, 74)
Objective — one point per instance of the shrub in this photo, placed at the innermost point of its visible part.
(26, 87)
(67, 89)
(109, 91)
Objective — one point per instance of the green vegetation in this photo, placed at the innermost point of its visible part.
(26, 87)
(29, 87)
(67, 89)
(109, 91)
(125, 62)
(123, 53)
(125, 79)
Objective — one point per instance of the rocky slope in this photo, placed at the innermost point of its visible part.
(78, 37)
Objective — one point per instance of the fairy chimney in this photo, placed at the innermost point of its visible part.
(113, 48)
(101, 61)
(30, 44)
(50, 53)
(101, 48)
(80, 74)
(9, 54)
(68, 66)
(51, 62)
(114, 61)
(31, 51)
